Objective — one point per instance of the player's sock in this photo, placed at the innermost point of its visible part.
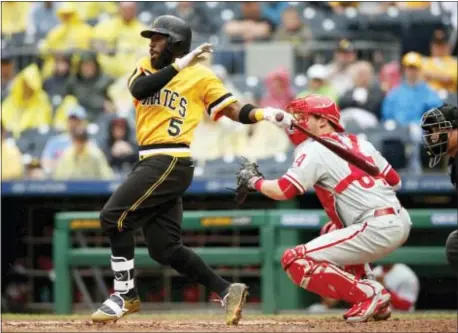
(328, 280)
(188, 263)
(122, 263)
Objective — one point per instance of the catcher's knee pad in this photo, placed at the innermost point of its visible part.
(451, 249)
(291, 255)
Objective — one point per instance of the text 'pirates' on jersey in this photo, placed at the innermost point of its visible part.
(171, 115)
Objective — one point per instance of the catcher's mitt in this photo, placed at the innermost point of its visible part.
(248, 171)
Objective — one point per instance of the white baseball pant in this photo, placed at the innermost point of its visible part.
(364, 242)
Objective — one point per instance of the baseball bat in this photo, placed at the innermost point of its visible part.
(344, 153)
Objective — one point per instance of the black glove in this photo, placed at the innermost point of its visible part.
(247, 173)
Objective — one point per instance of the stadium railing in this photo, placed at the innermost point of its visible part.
(279, 229)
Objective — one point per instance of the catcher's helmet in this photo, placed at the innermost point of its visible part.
(436, 123)
(179, 37)
(312, 104)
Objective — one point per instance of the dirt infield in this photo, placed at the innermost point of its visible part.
(434, 322)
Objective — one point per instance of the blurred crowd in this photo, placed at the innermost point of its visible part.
(69, 115)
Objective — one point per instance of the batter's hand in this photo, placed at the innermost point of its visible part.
(193, 57)
(278, 117)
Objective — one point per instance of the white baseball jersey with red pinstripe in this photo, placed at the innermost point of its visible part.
(346, 193)
(370, 220)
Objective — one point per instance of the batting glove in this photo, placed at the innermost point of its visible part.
(273, 115)
(196, 55)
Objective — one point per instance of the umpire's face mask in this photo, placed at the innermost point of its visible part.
(435, 135)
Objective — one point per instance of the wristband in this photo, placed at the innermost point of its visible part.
(258, 184)
(259, 114)
(244, 114)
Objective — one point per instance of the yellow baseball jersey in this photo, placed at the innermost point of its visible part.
(171, 115)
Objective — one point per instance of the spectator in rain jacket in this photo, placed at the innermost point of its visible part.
(56, 145)
(14, 21)
(90, 86)
(11, 161)
(120, 149)
(28, 105)
(279, 90)
(82, 160)
(117, 40)
(71, 34)
(56, 86)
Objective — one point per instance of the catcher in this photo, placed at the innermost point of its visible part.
(370, 220)
(171, 91)
(440, 135)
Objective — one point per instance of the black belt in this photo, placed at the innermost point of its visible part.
(164, 146)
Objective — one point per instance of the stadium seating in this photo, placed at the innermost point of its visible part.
(33, 141)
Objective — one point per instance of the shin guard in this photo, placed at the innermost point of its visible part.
(123, 271)
(325, 279)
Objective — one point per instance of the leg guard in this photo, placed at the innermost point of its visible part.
(123, 271)
(325, 279)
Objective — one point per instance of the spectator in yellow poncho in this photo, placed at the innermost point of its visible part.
(72, 34)
(91, 10)
(121, 37)
(28, 105)
(14, 18)
(11, 161)
(440, 70)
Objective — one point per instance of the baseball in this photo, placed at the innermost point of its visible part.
(279, 117)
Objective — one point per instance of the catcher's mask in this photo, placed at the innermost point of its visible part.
(301, 108)
(178, 35)
(436, 124)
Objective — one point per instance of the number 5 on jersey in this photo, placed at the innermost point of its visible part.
(175, 126)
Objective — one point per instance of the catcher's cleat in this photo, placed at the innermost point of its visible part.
(365, 311)
(234, 301)
(383, 314)
(115, 307)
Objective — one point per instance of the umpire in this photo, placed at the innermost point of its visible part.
(440, 135)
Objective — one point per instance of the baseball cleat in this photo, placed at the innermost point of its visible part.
(115, 307)
(383, 314)
(234, 301)
(364, 311)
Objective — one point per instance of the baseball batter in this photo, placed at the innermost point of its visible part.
(370, 220)
(171, 91)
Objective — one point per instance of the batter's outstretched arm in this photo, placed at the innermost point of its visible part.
(250, 114)
(245, 114)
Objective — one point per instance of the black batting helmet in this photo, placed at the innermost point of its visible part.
(179, 37)
(436, 123)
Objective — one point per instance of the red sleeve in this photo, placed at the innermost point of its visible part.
(399, 303)
(392, 177)
(288, 188)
